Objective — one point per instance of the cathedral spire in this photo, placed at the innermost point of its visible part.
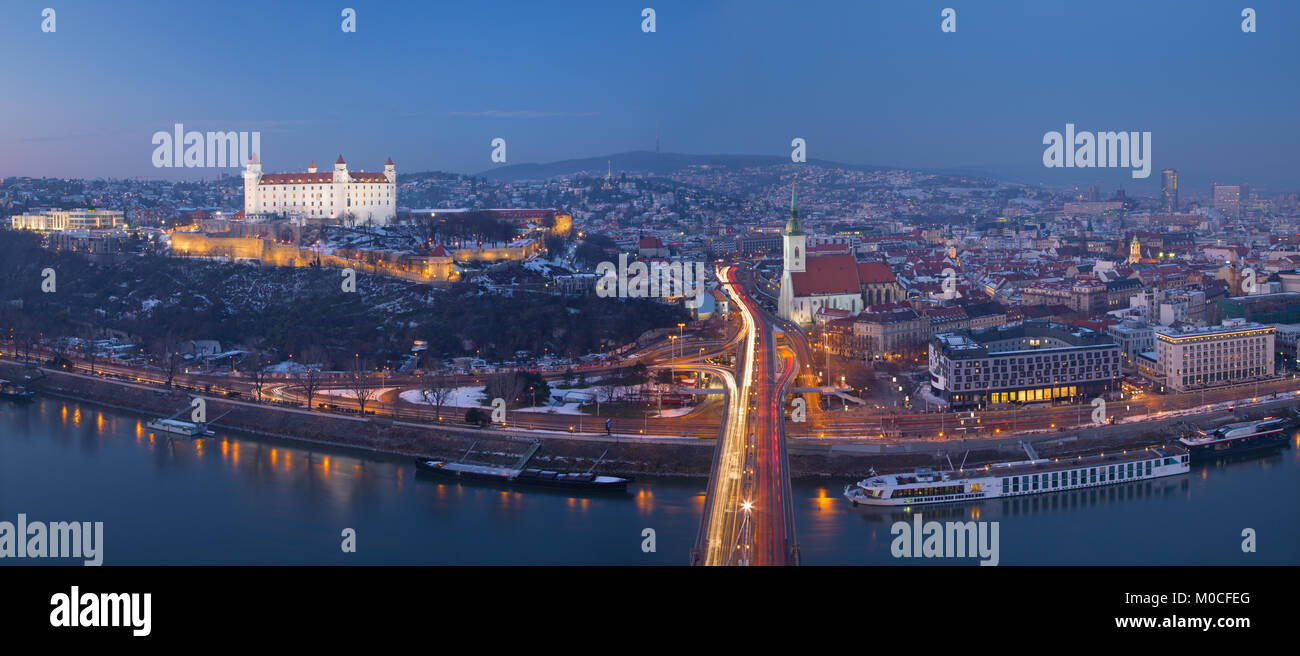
(793, 226)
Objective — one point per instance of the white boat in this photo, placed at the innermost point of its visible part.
(178, 427)
(1012, 479)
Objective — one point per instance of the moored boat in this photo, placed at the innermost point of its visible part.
(15, 392)
(178, 427)
(586, 481)
(1237, 437)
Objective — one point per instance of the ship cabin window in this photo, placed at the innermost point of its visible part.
(1024, 483)
(1074, 477)
(1034, 478)
(1054, 479)
(1130, 470)
(1148, 468)
(1184, 459)
(1015, 484)
(1092, 475)
(1110, 473)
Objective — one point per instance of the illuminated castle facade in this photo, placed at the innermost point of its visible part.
(353, 197)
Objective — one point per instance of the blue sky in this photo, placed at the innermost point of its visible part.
(431, 83)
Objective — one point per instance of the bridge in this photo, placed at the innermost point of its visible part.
(748, 514)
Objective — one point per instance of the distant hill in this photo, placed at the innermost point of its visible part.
(642, 161)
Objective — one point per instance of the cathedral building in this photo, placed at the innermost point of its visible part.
(351, 197)
(834, 281)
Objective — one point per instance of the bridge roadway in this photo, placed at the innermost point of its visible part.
(749, 511)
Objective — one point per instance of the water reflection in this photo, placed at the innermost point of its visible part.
(231, 499)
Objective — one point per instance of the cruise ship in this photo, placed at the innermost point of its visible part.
(1236, 437)
(1013, 479)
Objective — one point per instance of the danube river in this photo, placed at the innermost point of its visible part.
(235, 499)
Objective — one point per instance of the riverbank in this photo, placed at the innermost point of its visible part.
(621, 455)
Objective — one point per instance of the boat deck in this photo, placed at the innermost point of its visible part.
(484, 470)
(1034, 466)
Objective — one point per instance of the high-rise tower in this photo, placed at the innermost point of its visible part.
(1169, 190)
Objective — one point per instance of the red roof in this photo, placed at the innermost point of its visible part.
(439, 251)
(827, 274)
(835, 313)
(297, 178)
(869, 272)
(650, 242)
(326, 177)
(944, 314)
(388, 163)
(340, 160)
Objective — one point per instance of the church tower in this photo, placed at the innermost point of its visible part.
(1134, 251)
(794, 239)
(795, 248)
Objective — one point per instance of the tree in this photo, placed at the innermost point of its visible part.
(536, 390)
(314, 359)
(167, 356)
(506, 386)
(361, 383)
(89, 352)
(255, 365)
(437, 391)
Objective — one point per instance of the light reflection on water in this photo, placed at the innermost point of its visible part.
(235, 499)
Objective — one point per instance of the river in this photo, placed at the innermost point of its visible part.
(235, 499)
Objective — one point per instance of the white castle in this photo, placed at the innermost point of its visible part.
(355, 197)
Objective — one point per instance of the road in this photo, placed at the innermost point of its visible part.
(749, 511)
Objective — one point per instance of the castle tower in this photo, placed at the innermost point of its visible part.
(252, 176)
(311, 168)
(795, 252)
(390, 171)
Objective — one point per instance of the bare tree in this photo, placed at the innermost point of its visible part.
(361, 382)
(167, 355)
(255, 366)
(437, 391)
(506, 386)
(314, 361)
(25, 337)
(88, 350)
(90, 353)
